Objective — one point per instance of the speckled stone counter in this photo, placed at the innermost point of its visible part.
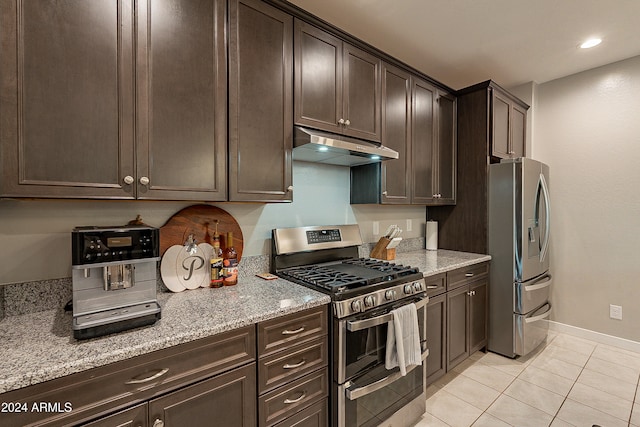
(434, 262)
(38, 347)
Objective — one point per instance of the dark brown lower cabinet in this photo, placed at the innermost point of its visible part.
(466, 321)
(436, 337)
(225, 400)
(132, 417)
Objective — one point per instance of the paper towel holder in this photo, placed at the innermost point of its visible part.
(431, 236)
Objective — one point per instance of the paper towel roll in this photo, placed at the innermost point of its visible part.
(432, 235)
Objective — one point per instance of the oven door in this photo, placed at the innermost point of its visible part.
(366, 393)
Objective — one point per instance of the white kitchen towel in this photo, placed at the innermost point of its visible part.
(403, 339)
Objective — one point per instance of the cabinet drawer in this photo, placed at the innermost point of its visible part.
(315, 415)
(436, 285)
(276, 334)
(465, 275)
(292, 363)
(285, 401)
(105, 389)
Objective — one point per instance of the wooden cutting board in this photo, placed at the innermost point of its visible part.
(200, 220)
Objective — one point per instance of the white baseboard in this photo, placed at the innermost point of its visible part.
(594, 336)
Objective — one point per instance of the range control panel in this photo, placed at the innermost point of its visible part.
(93, 245)
(323, 236)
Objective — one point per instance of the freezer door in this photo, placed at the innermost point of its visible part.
(532, 219)
(528, 296)
(531, 330)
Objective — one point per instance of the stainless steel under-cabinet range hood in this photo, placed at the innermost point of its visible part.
(322, 147)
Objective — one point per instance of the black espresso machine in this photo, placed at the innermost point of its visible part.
(114, 279)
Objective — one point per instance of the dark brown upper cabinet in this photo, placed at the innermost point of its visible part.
(337, 86)
(396, 134)
(260, 102)
(419, 122)
(509, 124)
(67, 99)
(181, 142)
(113, 99)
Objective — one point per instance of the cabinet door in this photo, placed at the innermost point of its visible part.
(132, 417)
(66, 82)
(318, 78)
(422, 141)
(457, 326)
(225, 400)
(501, 107)
(361, 94)
(181, 87)
(436, 337)
(478, 304)
(396, 127)
(446, 149)
(260, 102)
(518, 131)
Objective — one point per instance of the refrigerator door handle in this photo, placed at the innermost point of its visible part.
(539, 284)
(545, 244)
(544, 315)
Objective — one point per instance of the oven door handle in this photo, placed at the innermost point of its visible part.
(359, 325)
(358, 392)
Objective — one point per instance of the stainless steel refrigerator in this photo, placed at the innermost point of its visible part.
(519, 234)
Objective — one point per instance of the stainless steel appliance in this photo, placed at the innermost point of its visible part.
(114, 279)
(364, 292)
(519, 232)
(312, 145)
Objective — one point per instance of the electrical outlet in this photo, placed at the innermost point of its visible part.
(615, 312)
(376, 228)
(409, 226)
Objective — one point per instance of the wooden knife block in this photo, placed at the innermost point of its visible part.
(380, 251)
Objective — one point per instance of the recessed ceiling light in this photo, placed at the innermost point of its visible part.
(590, 43)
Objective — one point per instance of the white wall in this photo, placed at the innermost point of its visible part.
(587, 128)
(35, 242)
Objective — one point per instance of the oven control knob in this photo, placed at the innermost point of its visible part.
(369, 301)
(356, 306)
(390, 295)
(408, 289)
(417, 286)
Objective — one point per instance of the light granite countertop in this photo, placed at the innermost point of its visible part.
(39, 346)
(434, 262)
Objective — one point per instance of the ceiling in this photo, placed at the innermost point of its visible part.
(462, 42)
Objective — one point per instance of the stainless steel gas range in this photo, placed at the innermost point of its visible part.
(364, 292)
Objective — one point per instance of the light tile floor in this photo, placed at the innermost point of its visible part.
(568, 381)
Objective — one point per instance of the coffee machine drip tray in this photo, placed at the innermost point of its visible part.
(115, 320)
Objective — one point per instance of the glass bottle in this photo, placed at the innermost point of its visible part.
(216, 262)
(230, 262)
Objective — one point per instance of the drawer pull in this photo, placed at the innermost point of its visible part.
(290, 401)
(295, 365)
(432, 286)
(468, 275)
(148, 379)
(296, 331)
(158, 423)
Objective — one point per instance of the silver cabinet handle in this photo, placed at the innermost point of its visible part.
(128, 180)
(290, 188)
(144, 180)
(341, 121)
(384, 193)
(432, 286)
(148, 379)
(296, 400)
(294, 365)
(158, 423)
(347, 122)
(290, 332)
(468, 275)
